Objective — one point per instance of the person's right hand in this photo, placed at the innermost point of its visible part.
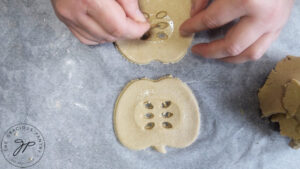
(99, 21)
(259, 23)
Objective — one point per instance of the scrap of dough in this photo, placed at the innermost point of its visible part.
(290, 122)
(168, 50)
(280, 98)
(271, 94)
(295, 144)
(156, 113)
(291, 100)
(288, 126)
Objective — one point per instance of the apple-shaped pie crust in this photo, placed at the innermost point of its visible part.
(163, 41)
(156, 113)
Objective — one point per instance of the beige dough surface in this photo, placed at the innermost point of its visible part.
(271, 94)
(165, 44)
(156, 113)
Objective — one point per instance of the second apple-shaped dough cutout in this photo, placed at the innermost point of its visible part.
(156, 113)
(163, 41)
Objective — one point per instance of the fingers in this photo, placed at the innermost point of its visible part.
(82, 32)
(81, 38)
(197, 6)
(112, 18)
(132, 29)
(239, 38)
(94, 29)
(217, 14)
(131, 8)
(255, 51)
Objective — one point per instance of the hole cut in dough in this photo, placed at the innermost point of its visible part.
(163, 41)
(167, 114)
(175, 116)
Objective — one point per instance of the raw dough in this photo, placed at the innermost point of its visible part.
(280, 98)
(271, 94)
(291, 100)
(290, 123)
(156, 113)
(165, 44)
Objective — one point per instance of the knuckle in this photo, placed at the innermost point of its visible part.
(233, 49)
(254, 56)
(209, 21)
(117, 31)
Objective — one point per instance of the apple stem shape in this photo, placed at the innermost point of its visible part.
(161, 149)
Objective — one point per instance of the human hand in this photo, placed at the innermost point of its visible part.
(99, 21)
(260, 24)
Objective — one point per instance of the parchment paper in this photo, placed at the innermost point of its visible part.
(67, 90)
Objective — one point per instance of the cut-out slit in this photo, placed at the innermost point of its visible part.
(162, 35)
(166, 104)
(149, 126)
(167, 125)
(162, 25)
(167, 114)
(149, 115)
(146, 15)
(148, 105)
(161, 14)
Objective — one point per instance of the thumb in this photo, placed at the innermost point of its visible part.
(197, 6)
(132, 10)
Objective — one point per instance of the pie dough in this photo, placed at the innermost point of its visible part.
(291, 100)
(156, 113)
(271, 94)
(163, 42)
(290, 125)
(280, 98)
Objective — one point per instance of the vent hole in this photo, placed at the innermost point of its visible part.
(148, 105)
(162, 25)
(167, 114)
(149, 126)
(161, 14)
(166, 104)
(162, 35)
(149, 115)
(146, 15)
(167, 125)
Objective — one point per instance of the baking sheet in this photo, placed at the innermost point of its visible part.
(67, 90)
